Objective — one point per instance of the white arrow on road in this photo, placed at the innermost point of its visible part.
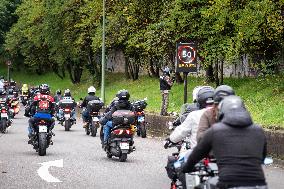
(44, 173)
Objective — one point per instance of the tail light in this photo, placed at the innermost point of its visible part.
(139, 113)
(128, 131)
(4, 111)
(121, 131)
(118, 132)
(67, 110)
(42, 122)
(206, 162)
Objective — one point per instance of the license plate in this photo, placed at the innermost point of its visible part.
(67, 115)
(95, 119)
(42, 129)
(141, 119)
(124, 146)
(4, 115)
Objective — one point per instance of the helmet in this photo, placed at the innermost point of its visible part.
(2, 91)
(10, 91)
(91, 89)
(222, 91)
(58, 92)
(230, 104)
(25, 86)
(67, 92)
(205, 96)
(123, 95)
(195, 92)
(44, 89)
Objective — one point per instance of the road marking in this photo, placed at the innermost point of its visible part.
(44, 173)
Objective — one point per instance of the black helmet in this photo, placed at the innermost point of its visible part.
(44, 89)
(230, 104)
(222, 91)
(205, 96)
(58, 92)
(123, 95)
(10, 91)
(67, 92)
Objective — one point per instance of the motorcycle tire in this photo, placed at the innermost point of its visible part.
(87, 130)
(109, 155)
(143, 130)
(3, 126)
(42, 144)
(102, 134)
(94, 129)
(67, 125)
(123, 157)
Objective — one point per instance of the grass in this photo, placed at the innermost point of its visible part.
(263, 96)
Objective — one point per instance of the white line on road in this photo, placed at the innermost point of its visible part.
(44, 173)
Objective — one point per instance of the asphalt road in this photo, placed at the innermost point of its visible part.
(85, 164)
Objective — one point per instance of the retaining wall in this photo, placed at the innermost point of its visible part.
(157, 126)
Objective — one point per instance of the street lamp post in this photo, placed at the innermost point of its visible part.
(103, 57)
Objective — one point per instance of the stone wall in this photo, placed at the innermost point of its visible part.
(157, 125)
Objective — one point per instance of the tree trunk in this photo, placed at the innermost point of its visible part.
(222, 72)
(210, 73)
(216, 75)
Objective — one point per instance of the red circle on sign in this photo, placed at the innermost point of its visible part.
(186, 54)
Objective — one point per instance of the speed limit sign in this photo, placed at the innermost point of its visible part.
(186, 58)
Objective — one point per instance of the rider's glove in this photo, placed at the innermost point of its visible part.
(167, 143)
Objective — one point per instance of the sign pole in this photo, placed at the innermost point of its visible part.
(185, 74)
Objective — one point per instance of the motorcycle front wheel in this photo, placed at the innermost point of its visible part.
(67, 125)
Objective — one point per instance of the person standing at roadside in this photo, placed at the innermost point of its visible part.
(166, 84)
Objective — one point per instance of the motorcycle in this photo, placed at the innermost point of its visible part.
(67, 122)
(14, 106)
(205, 175)
(139, 107)
(93, 125)
(121, 141)
(4, 121)
(24, 99)
(41, 138)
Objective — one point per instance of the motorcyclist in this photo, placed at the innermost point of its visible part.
(190, 124)
(122, 104)
(1, 82)
(25, 89)
(4, 100)
(58, 96)
(238, 145)
(42, 107)
(210, 116)
(187, 108)
(85, 113)
(67, 100)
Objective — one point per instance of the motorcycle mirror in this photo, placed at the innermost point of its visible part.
(145, 98)
(268, 161)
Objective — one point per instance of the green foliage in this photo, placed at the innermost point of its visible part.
(66, 35)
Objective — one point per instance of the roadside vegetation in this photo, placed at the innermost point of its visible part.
(264, 96)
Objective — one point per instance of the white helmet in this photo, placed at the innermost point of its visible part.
(91, 90)
(195, 92)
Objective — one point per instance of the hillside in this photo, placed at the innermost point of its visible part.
(263, 96)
